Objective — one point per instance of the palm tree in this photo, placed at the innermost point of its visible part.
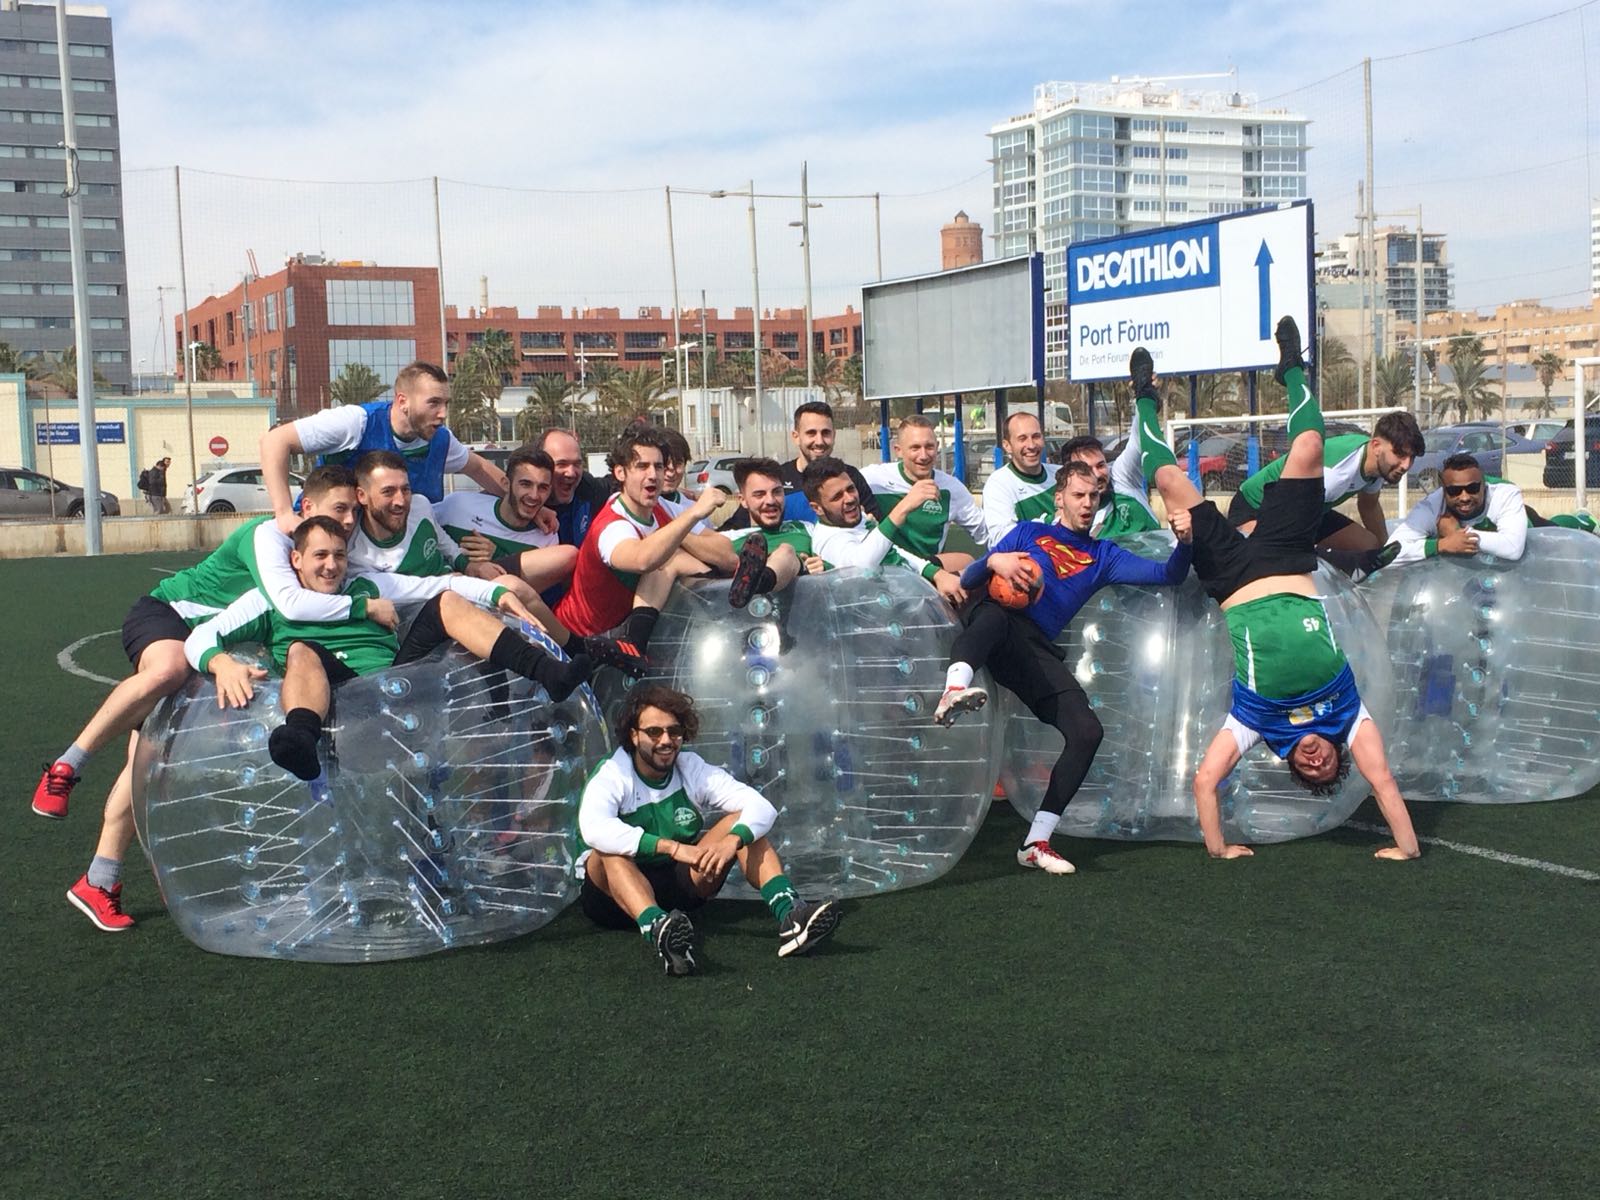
(1548, 367)
(1395, 378)
(547, 406)
(633, 391)
(1468, 390)
(356, 383)
(498, 351)
(207, 360)
(474, 390)
(61, 372)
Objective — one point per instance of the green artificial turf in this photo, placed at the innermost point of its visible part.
(1309, 1022)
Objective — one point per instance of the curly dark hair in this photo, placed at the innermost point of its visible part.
(655, 695)
(1328, 787)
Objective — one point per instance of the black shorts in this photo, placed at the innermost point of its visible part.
(1026, 663)
(668, 880)
(424, 636)
(1242, 512)
(1287, 529)
(150, 621)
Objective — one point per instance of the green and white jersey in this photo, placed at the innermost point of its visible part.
(1122, 515)
(789, 533)
(1342, 457)
(676, 504)
(1283, 645)
(461, 513)
(1011, 497)
(865, 545)
(1502, 526)
(622, 812)
(925, 530)
(255, 555)
(357, 641)
(421, 548)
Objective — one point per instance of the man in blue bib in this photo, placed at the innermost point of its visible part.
(410, 425)
(1293, 687)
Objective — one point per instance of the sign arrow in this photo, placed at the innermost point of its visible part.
(1264, 290)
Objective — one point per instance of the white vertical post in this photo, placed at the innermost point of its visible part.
(89, 446)
(438, 253)
(805, 246)
(755, 277)
(189, 357)
(1580, 445)
(677, 333)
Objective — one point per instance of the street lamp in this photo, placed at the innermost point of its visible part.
(804, 226)
(755, 279)
(683, 374)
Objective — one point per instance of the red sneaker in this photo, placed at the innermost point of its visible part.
(55, 785)
(102, 907)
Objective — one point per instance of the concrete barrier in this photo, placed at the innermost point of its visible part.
(119, 535)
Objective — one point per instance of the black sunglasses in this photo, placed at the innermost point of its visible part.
(1455, 489)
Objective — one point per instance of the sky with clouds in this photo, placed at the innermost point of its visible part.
(555, 127)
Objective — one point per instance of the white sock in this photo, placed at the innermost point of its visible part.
(1044, 824)
(958, 676)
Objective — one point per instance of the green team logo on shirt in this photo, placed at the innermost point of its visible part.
(687, 819)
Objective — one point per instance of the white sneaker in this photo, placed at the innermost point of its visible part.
(957, 700)
(1041, 856)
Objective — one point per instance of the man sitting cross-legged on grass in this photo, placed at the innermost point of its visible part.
(315, 656)
(1293, 687)
(649, 856)
(635, 550)
(254, 555)
(1019, 645)
(844, 536)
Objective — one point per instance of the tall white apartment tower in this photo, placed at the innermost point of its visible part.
(1097, 159)
(1594, 251)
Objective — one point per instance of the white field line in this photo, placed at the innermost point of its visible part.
(1499, 856)
(65, 661)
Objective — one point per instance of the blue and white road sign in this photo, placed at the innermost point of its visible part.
(1200, 297)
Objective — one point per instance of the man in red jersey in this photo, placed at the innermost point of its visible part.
(635, 550)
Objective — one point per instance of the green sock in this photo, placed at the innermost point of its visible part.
(1153, 450)
(1305, 414)
(648, 918)
(778, 892)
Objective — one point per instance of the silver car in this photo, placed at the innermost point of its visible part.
(713, 472)
(29, 495)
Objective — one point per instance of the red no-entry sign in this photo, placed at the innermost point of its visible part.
(218, 445)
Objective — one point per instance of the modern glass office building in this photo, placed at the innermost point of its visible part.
(1098, 159)
(35, 262)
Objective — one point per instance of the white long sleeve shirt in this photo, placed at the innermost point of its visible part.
(1502, 526)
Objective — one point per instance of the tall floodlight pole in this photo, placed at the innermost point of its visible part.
(1416, 350)
(672, 258)
(805, 249)
(438, 254)
(88, 444)
(188, 372)
(755, 280)
(1372, 233)
(877, 231)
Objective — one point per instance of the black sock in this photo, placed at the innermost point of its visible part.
(293, 745)
(641, 623)
(1348, 561)
(511, 653)
(765, 582)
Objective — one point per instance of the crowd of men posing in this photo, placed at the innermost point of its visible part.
(377, 566)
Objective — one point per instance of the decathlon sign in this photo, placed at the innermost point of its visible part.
(1204, 296)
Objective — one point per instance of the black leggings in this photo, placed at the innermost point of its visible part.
(1024, 662)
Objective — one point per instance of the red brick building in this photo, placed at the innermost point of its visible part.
(303, 324)
(568, 343)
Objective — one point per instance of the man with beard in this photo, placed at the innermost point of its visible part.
(1124, 500)
(1464, 515)
(1019, 645)
(506, 530)
(813, 436)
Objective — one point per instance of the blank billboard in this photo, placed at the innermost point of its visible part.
(972, 329)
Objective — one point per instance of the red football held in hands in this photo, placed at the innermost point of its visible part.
(1006, 594)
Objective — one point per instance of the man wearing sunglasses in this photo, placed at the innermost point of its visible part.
(1465, 515)
(661, 828)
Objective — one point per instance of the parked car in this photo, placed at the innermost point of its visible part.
(1536, 434)
(233, 489)
(28, 494)
(713, 472)
(1558, 458)
(1486, 441)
